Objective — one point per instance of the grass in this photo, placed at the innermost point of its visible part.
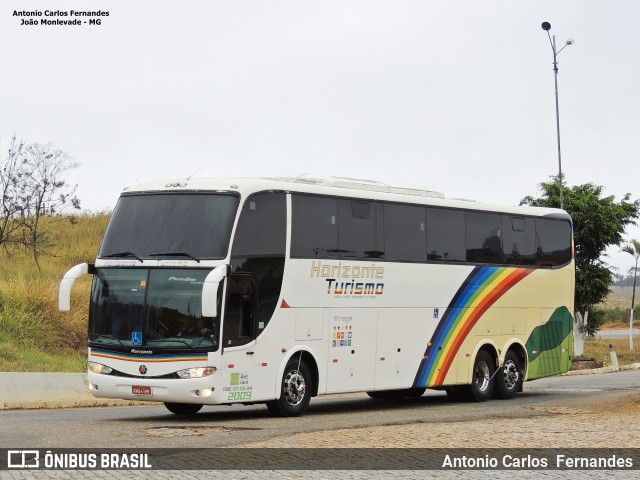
(19, 358)
(598, 348)
(616, 308)
(34, 335)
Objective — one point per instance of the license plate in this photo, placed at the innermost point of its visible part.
(136, 390)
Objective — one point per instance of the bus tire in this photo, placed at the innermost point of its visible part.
(509, 379)
(183, 408)
(482, 379)
(295, 390)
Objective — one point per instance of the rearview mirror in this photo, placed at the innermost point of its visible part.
(64, 293)
(210, 290)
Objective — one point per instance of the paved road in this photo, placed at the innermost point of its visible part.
(139, 427)
(224, 426)
(617, 333)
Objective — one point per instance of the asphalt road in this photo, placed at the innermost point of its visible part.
(617, 333)
(225, 426)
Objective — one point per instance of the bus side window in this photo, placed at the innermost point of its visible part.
(518, 239)
(483, 237)
(360, 229)
(445, 235)
(405, 233)
(314, 226)
(553, 242)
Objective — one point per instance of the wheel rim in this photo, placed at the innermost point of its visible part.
(483, 376)
(511, 374)
(294, 387)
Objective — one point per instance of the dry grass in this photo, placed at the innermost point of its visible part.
(598, 348)
(29, 316)
(620, 297)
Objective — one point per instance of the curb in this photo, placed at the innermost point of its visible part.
(609, 369)
(33, 390)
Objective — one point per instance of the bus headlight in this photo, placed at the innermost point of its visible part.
(196, 372)
(99, 368)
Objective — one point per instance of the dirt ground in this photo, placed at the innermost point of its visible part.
(595, 424)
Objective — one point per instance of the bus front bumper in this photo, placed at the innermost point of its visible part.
(191, 390)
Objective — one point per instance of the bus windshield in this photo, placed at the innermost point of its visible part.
(193, 226)
(152, 308)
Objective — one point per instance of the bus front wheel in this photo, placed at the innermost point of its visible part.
(295, 391)
(183, 408)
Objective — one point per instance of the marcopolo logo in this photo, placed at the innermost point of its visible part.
(23, 459)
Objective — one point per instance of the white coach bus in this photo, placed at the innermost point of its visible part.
(216, 291)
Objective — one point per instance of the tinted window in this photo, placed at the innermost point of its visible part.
(518, 240)
(359, 232)
(405, 233)
(240, 315)
(159, 308)
(262, 227)
(484, 244)
(314, 229)
(553, 242)
(445, 235)
(195, 224)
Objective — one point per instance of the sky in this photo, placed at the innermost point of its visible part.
(451, 95)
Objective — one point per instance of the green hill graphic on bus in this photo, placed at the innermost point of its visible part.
(549, 345)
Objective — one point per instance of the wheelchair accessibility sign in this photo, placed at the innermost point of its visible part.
(136, 338)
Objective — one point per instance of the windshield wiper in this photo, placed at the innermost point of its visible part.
(111, 337)
(123, 254)
(173, 340)
(175, 254)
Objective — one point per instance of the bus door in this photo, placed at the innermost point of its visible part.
(238, 338)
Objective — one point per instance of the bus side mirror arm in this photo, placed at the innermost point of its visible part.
(210, 290)
(64, 293)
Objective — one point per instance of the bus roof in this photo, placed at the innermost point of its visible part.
(335, 186)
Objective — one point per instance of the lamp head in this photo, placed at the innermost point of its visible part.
(546, 26)
(571, 41)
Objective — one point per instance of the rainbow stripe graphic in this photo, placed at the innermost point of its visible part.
(131, 357)
(481, 289)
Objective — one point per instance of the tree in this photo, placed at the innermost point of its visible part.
(49, 191)
(14, 193)
(32, 183)
(598, 222)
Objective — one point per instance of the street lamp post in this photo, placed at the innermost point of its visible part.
(546, 26)
(632, 248)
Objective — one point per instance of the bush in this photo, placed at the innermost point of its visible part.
(597, 318)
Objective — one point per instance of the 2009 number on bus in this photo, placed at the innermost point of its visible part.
(243, 395)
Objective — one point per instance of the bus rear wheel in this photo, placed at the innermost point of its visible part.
(183, 408)
(295, 391)
(483, 379)
(509, 379)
